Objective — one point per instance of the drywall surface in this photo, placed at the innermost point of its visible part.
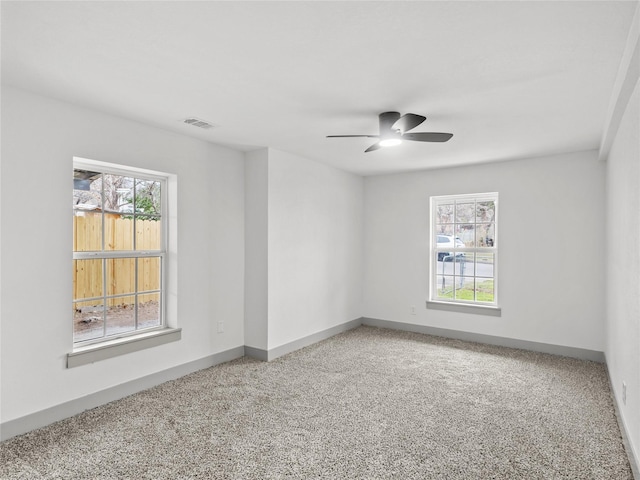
(256, 247)
(551, 235)
(623, 268)
(40, 137)
(315, 247)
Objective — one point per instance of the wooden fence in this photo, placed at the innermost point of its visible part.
(87, 274)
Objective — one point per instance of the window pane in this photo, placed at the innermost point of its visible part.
(118, 206)
(464, 288)
(88, 320)
(444, 286)
(465, 212)
(444, 213)
(466, 265)
(454, 264)
(149, 310)
(118, 232)
(485, 211)
(446, 230)
(484, 290)
(147, 197)
(148, 233)
(485, 265)
(486, 235)
(120, 276)
(87, 231)
(121, 315)
(149, 271)
(87, 208)
(118, 193)
(87, 190)
(87, 279)
(466, 234)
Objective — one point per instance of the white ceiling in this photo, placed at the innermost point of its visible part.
(510, 79)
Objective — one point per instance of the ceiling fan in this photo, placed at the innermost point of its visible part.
(395, 128)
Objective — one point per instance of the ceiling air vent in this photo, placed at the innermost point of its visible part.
(197, 122)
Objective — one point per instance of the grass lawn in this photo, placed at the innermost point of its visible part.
(484, 292)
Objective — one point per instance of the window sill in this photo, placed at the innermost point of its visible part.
(464, 308)
(121, 346)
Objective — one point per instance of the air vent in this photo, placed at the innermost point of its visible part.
(197, 122)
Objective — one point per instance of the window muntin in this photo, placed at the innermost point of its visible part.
(119, 247)
(464, 249)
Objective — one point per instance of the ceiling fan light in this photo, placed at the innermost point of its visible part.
(390, 142)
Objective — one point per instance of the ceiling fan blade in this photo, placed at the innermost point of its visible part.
(387, 120)
(373, 147)
(408, 121)
(427, 136)
(345, 136)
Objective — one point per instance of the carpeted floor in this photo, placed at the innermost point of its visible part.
(369, 404)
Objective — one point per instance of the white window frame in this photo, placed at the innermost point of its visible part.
(437, 302)
(111, 345)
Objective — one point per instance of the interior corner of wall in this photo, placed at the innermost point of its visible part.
(626, 82)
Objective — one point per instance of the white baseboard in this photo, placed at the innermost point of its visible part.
(573, 352)
(257, 353)
(272, 354)
(634, 461)
(56, 413)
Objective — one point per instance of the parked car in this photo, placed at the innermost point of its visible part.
(451, 242)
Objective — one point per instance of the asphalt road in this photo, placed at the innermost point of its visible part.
(465, 269)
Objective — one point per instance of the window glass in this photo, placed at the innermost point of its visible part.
(118, 251)
(147, 198)
(464, 248)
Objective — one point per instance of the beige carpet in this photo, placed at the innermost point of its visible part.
(368, 404)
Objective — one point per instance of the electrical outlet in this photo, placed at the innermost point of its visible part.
(624, 393)
(220, 327)
(412, 309)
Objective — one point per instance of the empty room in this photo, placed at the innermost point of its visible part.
(309, 239)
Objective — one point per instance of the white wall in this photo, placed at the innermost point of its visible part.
(623, 267)
(551, 234)
(256, 248)
(315, 247)
(40, 137)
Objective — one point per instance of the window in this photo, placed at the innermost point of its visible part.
(464, 249)
(119, 249)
